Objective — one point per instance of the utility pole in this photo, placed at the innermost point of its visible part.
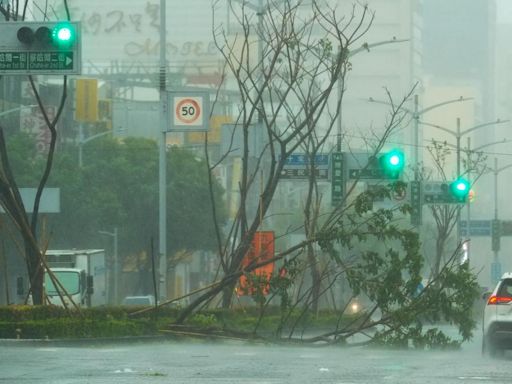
(470, 150)
(162, 209)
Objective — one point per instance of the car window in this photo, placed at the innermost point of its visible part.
(506, 288)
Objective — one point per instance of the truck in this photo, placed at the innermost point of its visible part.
(81, 272)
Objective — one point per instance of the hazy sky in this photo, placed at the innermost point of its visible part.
(504, 11)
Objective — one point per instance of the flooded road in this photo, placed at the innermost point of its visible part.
(232, 362)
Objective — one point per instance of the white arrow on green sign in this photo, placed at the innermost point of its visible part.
(37, 62)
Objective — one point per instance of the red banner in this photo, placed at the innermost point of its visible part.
(262, 249)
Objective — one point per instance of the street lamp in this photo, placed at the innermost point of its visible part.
(458, 134)
(366, 48)
(468, 161)
(115, 267)
(496, 171)
(82, 142)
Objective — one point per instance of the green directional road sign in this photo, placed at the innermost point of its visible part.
(366, 174)
(416, 203)
(25, 62)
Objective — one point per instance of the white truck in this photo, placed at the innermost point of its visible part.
(81, 272)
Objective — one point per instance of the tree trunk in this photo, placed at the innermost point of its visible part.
(315, 279)
(227, 295)
(36, 276)
(440, 242)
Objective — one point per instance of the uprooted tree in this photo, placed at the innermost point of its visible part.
(284, 65)
(10, 199)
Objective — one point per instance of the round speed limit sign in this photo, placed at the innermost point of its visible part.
(188, 111)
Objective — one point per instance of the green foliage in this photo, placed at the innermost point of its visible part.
(118, 187)
(55, 322)
(383, 263)
(202, 320)
(70, 328)
(26, 162)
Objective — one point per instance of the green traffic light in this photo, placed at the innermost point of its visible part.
(392, 163)
(460, 189)
(63, 34)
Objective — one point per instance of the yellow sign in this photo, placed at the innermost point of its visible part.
(86, 92)
(213, 133)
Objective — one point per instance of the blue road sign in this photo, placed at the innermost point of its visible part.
(476, 228)
(302, 159)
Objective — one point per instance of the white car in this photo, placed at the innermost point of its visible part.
(497, 321)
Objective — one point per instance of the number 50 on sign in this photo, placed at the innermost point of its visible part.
(190, 111)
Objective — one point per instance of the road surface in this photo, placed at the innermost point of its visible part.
(234, 362)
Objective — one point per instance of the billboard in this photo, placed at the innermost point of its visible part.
(127, 31)
(262, 249)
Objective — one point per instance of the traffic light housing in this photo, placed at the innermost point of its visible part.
(392, 163)
(460, 189)
(446, 192)
(40, 48)
(57, 35)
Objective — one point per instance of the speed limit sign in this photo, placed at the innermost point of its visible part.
(190, 111)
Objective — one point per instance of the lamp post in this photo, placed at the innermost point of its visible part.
(468, 205)
(496, 171)
(116, 264)
(458, 134)
(365, 48)
(82, 142)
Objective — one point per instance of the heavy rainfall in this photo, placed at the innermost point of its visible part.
(255, 191)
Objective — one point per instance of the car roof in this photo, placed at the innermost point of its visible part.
(506, 275)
